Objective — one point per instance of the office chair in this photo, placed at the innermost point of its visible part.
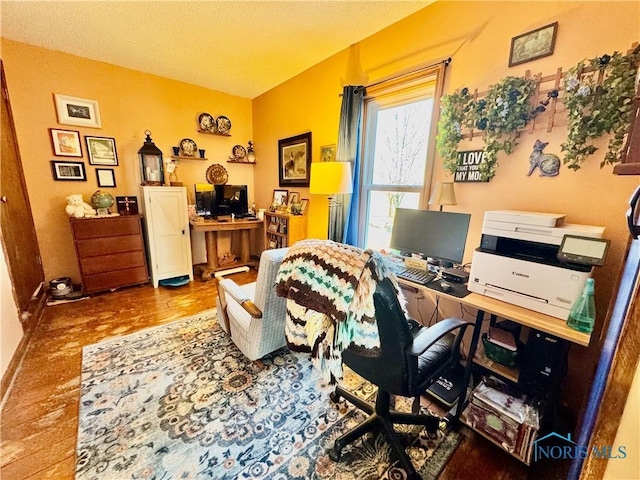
(411, 358)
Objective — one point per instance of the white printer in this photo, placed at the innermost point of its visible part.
(517, 261)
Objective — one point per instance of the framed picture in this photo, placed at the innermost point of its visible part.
(106, 177)
(68, 171)
(294, 197)
(280, 197)
(534, 44)
(101, 150)
(304, 203)
(77, 111)
(294, 160)
(328, 153)
(66, 143)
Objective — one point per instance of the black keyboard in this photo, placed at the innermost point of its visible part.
(414, 275)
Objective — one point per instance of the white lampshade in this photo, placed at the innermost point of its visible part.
(443, 194)
(330, 178)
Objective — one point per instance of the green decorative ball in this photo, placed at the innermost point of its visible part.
(102, 199)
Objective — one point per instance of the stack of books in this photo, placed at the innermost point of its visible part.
(508, 417)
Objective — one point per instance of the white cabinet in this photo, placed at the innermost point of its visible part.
(167, 228)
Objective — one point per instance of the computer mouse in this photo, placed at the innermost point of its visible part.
(446, 287)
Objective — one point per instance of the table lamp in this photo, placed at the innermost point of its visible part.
(443, 194)
(330, 178)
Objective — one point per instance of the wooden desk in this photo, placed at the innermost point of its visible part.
(523, 316)
(211, 229)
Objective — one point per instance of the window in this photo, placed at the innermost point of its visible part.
(398, 150)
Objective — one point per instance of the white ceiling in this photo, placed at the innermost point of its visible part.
(238, 47)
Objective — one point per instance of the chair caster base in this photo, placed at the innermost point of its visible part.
(334, 454)
(334, 397)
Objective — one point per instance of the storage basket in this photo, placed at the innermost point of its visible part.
(499, 354)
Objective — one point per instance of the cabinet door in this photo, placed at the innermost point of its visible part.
(168, 228)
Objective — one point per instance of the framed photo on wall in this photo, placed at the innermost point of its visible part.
(294, 160)
(66, 143)
(535, 44)
(106, 177)
(73, 171)
(101, 150)
(327, 153)
(77, 111)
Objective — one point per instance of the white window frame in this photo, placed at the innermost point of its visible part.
(414, 86)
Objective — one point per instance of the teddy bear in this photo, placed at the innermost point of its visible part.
(78, 208)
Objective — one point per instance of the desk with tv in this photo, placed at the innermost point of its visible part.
(211, 229)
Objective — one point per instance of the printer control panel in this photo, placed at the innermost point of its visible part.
(583, 250)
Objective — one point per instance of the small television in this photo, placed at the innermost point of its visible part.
(431, 234)
(230, 199)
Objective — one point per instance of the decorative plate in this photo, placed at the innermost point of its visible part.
(188, 148)
(217, 174)
(223, 125)
(206, 123)
(239, 153)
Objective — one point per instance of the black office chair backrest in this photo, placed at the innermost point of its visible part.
(392, 368)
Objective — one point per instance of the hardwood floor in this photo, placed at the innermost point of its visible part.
(39, 416)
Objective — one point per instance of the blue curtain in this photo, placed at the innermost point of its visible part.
(343, 223)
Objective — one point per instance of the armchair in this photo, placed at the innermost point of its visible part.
(411, 358)
(252, 314)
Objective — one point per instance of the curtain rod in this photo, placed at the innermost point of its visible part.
(446, 62)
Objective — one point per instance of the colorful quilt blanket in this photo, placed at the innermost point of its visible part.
(329, 288)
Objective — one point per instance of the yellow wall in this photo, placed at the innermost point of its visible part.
(477, 36)
(130, 102)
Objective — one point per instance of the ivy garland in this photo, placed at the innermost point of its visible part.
(594, 110)
(500, 115)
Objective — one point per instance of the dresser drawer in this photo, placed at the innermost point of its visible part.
(111, 280)
(107, 263)
(110, 252)
(109, 245)
(105, 227)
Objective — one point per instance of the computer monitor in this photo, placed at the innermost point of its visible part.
(230, 199)
(432, 234)
(204, 199)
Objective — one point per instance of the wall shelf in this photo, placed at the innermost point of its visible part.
(178, 157)
(241, 161)
(214, 133)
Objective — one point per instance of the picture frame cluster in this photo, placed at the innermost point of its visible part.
(284, 200)
(101, 151)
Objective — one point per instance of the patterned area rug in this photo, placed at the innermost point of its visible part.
(180, 401)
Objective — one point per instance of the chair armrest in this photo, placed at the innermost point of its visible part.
(236, 292)
(426, 337)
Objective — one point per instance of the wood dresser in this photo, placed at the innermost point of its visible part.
(110, 252)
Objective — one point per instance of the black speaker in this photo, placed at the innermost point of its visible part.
(544, 362)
